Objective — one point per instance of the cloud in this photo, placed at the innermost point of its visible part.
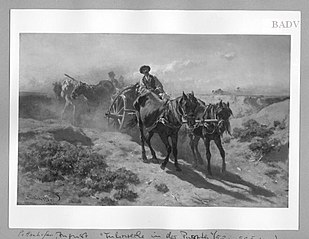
(176, 66)
(173, 66)
(229, 55)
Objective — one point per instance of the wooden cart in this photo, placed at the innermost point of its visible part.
(121, 110)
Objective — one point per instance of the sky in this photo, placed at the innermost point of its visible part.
(200, 63)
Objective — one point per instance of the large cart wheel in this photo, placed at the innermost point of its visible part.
(117, 112)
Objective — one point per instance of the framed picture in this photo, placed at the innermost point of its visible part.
(83, 83)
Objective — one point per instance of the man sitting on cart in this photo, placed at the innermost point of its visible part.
(150, 83)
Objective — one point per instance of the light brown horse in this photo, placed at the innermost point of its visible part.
(67, 87)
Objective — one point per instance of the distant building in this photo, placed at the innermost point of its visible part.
(219, 92)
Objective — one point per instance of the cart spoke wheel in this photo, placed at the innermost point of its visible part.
(117, 112)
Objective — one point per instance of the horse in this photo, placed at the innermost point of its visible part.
(67, 87)
(164, 117)
(214, 121)
(57, 88)
(96, 95)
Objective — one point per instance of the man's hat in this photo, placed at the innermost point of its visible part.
(141, 70)
(111, 73)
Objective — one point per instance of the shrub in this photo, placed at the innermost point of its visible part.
(48, 175)
(252, 129)
(264, 146)
(59, 158)
(28, 162)
(127, 175)
(87, 161)
(120, 183)
(106, 201)
(251, 123)
(125, 194)
(276, 123)
(162, 188)
(84, 192)
(75, 200)
(107, 180)
(279, 125)
(49, 161)
(103, 186)
(261, 146)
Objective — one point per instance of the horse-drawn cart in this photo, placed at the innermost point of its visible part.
(121, 110)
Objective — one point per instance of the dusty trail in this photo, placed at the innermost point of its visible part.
(191, 187)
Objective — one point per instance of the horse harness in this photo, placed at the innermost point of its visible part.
(163, 120)
(208, 122)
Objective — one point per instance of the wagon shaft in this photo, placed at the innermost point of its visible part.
(114, 116)
(203, 121)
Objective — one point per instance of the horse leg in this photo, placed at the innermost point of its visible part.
(64, 108)
(208, 154)
(148, 141)
(142, 137)
(164, 139)
(222, 152)
(174, 138)
(192, 146)
(199, 157)
(73, 120)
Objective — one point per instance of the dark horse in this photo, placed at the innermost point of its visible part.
(95, 94)
(57, 88)
(214, 121)
(164, 118)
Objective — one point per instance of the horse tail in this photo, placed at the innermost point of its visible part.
(132, 122)
(228, 127)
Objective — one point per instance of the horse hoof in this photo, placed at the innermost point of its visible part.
(145, 160)
(155, 160)
(178, 169)
(223, 170)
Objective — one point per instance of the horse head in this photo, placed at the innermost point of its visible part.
(188, 106)
(223, 113)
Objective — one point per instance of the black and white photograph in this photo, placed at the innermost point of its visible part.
(155, 120)
(79, 144)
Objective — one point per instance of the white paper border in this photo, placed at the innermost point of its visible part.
(168, 22)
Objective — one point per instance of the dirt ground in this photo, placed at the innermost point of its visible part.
(250, 180)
